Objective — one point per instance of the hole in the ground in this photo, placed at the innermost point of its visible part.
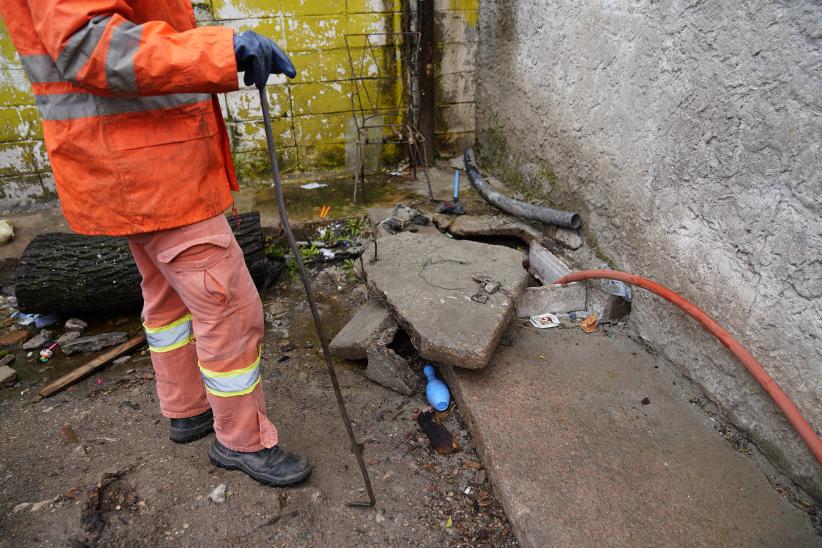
(506, 241)
(401, 344)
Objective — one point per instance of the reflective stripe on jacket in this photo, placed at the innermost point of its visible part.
(136, 141)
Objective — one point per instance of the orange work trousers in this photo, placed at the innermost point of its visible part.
(204, 325)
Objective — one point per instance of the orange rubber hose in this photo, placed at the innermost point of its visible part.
(780, 398)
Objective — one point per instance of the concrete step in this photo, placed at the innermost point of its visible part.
(578, 460)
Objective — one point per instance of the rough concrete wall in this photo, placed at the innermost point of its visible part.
(311, 113)
(690, 136)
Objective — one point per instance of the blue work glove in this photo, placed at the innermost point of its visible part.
(259, 57)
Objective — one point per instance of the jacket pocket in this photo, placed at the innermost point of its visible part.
(153, 128)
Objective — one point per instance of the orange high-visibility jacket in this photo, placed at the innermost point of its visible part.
(137, 142)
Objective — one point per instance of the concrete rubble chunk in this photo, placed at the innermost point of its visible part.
(75, 324)
(391, 370)
(556, 299)
(429, 283)
(494, 225)
(67, 337)
(7, 375)
(372, 325)
(8, 359)
(392, 220)
(568, 238)
(94, 343)
(217, 494)
(38, 340)
(545, 266)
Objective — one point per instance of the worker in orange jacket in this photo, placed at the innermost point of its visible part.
(139, 148)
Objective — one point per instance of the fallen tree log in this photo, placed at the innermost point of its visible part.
(75, 274)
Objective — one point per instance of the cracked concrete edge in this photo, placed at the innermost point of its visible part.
(432, 353)
(498, 485)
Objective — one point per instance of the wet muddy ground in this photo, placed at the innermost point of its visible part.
(93, 465)
(120, 481)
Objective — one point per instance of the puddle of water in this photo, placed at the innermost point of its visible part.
(304, 205)
(31, 372)
(335, 312)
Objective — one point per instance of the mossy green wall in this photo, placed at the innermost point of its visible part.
(311, 113)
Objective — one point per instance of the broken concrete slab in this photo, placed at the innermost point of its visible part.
(567, 439)
(494, 225)
(68, 336)
(554, 299)
(372, 325)
(427, 283)
(7, 375)
(38, 340)
(391, 370)
(545, 266)
(94, 343)
(568, 238)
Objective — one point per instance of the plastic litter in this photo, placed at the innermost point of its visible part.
(435, 391)
(589, 324)
(39, 320)
(615, 287)
(545, 321)
(313, 186)
(47, 353)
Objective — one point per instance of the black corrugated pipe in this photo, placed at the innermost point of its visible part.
(514, 207)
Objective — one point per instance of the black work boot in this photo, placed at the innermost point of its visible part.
(273, 466)
(192, 428)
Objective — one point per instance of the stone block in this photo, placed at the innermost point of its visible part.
(94, 343)
(372, 325)
(430, 284)
(391, 370)
(556, 299)
(568, 238)
(7, 375)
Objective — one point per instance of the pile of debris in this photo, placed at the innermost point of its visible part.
(453, 298)
(32, 341)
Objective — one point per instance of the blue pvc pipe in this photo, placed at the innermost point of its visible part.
(457, 186)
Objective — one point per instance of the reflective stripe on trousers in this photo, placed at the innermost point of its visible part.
(232, 383)
(170, 337)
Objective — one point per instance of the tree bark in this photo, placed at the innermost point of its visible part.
(75, 274)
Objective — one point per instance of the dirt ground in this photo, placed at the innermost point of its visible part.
(121, 482)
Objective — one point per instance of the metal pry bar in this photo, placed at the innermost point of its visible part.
(356, 447)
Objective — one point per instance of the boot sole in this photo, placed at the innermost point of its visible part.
(273, 482)
(187, 436)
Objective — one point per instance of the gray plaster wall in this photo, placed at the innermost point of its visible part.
(689, 134)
